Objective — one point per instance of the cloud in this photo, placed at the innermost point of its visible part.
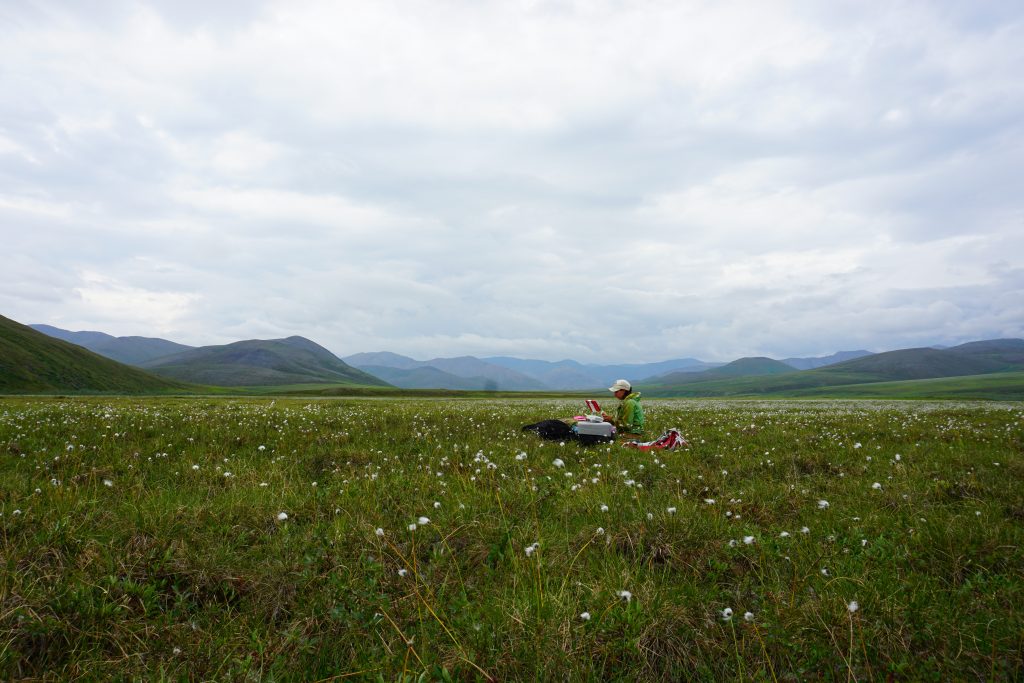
(606, 181)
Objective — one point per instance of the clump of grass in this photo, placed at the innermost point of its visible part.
(396, 539)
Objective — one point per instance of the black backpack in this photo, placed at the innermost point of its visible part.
(551, 430)
(556, 430)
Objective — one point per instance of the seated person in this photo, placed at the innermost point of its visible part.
(629, 417)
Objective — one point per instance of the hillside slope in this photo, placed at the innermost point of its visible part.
(822, 361)
(259, 362)
(904, 364)
(32, 362)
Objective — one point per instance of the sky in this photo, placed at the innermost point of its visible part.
(609, 180)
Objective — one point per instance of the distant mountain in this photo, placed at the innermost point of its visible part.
(462, 368)
(916, 364)
(258, 362)
(756, 366)
(130, 350)
(639, 373)
(1007, 352)
(976, 358)
(570, 374)
(821, 361)
(32, 362)
(384, 359)
(513, 374)
(428, 377)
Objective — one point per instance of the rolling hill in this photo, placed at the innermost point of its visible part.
(258, 362)
(821, 361)
(977, 358)
(757, 366)
(130, 350)
(32, 362)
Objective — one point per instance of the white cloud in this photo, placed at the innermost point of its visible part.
(603, 180)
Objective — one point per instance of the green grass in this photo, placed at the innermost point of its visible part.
(131, 555)
(814, 383)
(1005, 386)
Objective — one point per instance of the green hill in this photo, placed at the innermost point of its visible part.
(259, 362)
(1001, 386)
(1008, 353)
(980, 358)
(756, 366)
(32, 362)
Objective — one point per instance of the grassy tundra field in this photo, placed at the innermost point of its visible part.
(372, 539)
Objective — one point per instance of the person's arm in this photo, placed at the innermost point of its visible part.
(627, 415)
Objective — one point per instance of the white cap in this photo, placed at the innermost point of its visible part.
(620, 384)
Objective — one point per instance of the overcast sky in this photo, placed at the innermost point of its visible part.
(601, 180)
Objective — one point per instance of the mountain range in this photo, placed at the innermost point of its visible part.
(966, 360)
(249, 362)
(253, 362)
(33, 361)
(504, 373)
(260, 362)
(129, 350)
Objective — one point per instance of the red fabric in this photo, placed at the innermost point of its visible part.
(670, 440)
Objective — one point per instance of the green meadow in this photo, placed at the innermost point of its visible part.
(380, 539)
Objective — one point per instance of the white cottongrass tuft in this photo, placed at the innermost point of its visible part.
(423, 521)
(784, 534)
(804, 530)
(748, 540)
(600, 531)
(748, 616)
(403, 572)
(558, 462)
(529, 550)
(709, 501)
(108, 482)
(877, 486)
(670, 511)
(380, 532)
(282, 516)
(604, 508)
(727, 614)
(626, 595)
(824, 571)
(585, 616)
(412, 527)
(853, 606)
(822, 504)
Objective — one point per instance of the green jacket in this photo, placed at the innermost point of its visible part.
(629, 416)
